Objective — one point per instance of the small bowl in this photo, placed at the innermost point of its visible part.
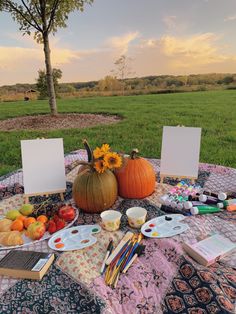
(136, 216)
(110, 220)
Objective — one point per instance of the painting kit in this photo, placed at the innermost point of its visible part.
(122, 256)
(164, 226)
(74, 238)
(209, 250)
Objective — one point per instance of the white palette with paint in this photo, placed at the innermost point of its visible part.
(164, 226)
(74, 238)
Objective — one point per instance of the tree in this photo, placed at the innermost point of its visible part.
(43, 17)
(42, 82)
(122, 69)
(109, 83)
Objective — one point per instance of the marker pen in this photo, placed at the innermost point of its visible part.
(226, 203)
(200, 210)
(208, 199)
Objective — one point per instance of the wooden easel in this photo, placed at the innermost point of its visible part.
(27, 196)
(162, 176)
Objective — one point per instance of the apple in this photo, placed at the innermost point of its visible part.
(67, 212)
(27, 209)
(36, 230)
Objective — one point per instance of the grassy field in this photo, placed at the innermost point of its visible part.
(144, 117)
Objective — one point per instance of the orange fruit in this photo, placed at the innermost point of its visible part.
(42, 218)
(21, 218)
(28, 221)
(17, 225)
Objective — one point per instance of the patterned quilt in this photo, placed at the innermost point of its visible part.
(163, 280)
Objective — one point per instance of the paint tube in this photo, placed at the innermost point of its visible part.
(231, 207)
(208, 199)
(204, 209)
(226, 203)
(188, 204)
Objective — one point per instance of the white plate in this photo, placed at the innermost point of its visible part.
(74, 238)
(47, 235)
(162, 227)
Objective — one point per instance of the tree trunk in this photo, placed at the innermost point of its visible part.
(50, 84)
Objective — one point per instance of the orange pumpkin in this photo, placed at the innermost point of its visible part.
(136, 179)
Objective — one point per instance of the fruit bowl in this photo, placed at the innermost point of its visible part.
(47, 235)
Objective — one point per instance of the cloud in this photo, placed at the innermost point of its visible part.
(170, 21)
(230, 18)
(122, 42)
(168, 54)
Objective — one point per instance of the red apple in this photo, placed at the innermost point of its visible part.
(67, 212)
(36, 230)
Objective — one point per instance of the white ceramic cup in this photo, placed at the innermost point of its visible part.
(136, 216)
(110, 220)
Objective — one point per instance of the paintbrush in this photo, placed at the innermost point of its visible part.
(109, 250)
(139, 250)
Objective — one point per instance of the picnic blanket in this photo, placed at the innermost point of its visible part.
(163, 280)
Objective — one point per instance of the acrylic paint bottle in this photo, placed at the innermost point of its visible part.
(201, 210)
(226, 203)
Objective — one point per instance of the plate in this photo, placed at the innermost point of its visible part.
(47, 235)
(164, 226)
(74, 238)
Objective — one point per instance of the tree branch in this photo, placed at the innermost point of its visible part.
(14, 8)
(52, 14)
(31, 15)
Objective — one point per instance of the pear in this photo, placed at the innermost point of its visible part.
(27, 209)
(13, 214)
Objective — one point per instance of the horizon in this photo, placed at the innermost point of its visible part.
(171, 38)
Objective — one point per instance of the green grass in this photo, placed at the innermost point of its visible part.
(144, 118)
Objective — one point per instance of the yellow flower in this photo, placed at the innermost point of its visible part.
(97, 153)
(112, 160)
(105, 148)
(100, 166)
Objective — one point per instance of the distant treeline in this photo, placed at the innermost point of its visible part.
(138, 85)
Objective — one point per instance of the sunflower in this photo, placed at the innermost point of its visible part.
(97, 153)
(100, 166)
(105, 148)
(112, 160)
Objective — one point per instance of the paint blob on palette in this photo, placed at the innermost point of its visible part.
(164, 226)
(74, 238)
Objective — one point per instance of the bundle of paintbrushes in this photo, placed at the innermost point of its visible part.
(122, 257)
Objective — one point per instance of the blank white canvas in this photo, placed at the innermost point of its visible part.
(43, 165)
(180, 151)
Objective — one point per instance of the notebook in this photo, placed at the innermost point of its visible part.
(209, 250)
(25, 264)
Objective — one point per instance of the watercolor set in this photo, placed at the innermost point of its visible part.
(74, 238)
(164, 226)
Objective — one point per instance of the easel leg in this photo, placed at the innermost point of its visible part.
(62, 197)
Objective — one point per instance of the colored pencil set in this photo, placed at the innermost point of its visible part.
(122, 257)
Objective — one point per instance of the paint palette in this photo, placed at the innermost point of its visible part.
(164, 226)
(74, 238)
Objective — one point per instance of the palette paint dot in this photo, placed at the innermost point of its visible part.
(59, 245)
(148, 230)
(152, 225)
(84, 241)
(57, 240)
(95, 230)
(74, 231)
(155, 234)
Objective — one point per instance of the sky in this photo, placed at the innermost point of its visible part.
(176, 37)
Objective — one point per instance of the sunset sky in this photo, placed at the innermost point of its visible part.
(161, 37)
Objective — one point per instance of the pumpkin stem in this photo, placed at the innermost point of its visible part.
(88, 150)
(134, 153)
